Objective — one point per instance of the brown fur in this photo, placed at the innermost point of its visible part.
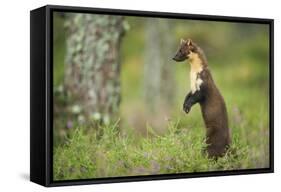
(215, 117)
(208, 96)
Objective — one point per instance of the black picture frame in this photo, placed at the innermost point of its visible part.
(41, 94)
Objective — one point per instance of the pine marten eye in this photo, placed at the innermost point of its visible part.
(193, 49)
(181, 52)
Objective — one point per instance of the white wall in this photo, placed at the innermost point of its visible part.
(14, 94)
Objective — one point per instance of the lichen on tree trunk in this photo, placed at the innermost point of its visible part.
(92, 64)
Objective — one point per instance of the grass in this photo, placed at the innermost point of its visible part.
(111, 155)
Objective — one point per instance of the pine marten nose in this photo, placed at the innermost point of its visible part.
(175, 58)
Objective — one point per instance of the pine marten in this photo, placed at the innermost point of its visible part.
(205, 92)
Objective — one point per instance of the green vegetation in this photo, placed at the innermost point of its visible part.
(136, 145)
(180, 150)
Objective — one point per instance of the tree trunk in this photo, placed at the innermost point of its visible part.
(92, 65)
(158, 70)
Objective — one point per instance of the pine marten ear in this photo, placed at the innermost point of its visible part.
(189, 42)
(183, 41)
(192, 46)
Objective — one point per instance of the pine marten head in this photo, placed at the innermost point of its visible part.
(187, 50)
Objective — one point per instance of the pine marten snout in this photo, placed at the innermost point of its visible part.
(205, 92)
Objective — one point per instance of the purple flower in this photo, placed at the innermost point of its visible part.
(69, 124)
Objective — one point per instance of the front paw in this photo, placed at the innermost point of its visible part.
(186, 108)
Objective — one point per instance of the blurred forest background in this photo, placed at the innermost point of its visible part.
(118, 95)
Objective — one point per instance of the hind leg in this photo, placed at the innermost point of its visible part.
(217, 141)
(217, 146)
(215, 151)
